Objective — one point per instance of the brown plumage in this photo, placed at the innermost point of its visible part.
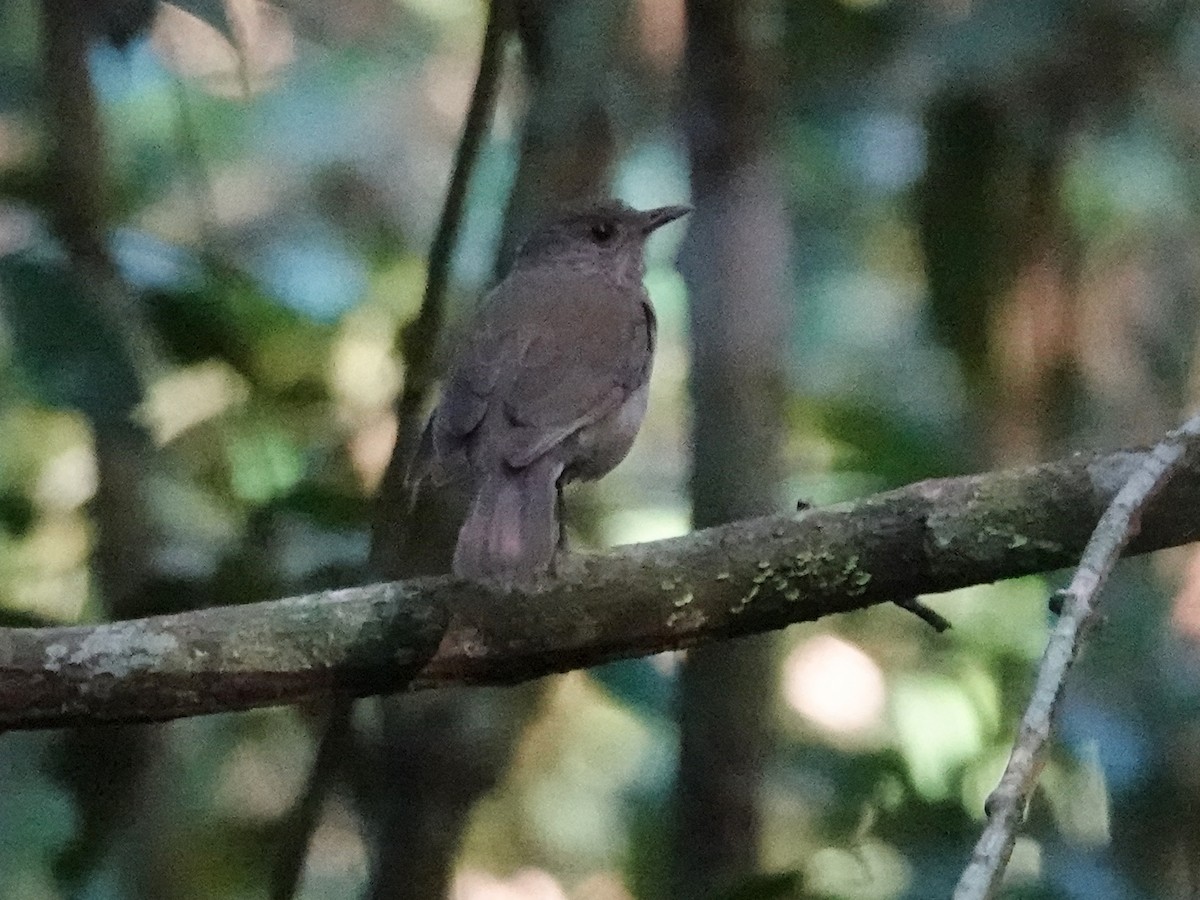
(548, 387)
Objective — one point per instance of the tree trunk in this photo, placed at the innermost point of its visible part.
(734, 262)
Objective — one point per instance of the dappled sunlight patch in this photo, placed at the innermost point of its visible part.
(370, 449)
(46, 573)
(1009, 615)
(526, 884)
(337, 856)
(1185, 610)
(263, 463)
(68, 480)
(938, 730)
(636, 526)
(265, 46)
(870, 870)
(262, 773)
(835, 686)
(602, 886)
(1025, 865)
(1078, 796)
(565, 802)
(981, 777)
(363, 372)
(190, 396)
(588, 750)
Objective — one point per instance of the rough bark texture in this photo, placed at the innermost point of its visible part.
(230, 657)
(739, 579)
(734, 261)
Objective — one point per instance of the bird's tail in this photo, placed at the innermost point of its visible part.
(511, 530)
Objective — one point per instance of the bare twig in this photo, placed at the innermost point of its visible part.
(1006, 805)
(930, 617)
(420, 336)
(744, 578)
(298, 827)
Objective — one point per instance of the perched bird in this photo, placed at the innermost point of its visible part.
(549, 385)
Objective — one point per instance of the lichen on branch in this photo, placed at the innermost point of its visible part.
(744, 578)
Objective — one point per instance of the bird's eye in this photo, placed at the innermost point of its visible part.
(602, 232)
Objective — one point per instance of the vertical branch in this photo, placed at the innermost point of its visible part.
(733, 262)
(296, 829)
(420, 337)
(102, 765)
(79, 184)
(79, 197)
(76, 148)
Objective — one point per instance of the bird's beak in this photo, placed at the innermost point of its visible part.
(656, 218)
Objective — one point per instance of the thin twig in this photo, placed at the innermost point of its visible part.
(302, 819)
(421, 334)
(419, 340)
(1006, 805)
(926, 614)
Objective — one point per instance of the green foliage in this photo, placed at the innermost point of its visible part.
(64, 340)
(777, 886)
(966, 210)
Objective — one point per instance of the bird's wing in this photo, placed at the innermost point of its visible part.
(590, 352)
(550, 354)
(467, 393)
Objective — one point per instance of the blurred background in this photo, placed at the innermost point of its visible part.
(931, 237)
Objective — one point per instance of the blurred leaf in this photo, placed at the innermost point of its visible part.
(649, 849)
(884, 442)
(939, 729)
(826, 40)
(264, 464)
(24, 181)
(121, 20)
(212, 12)
(773, 886)
(63, 343)
(194, 328)
(225, 856)
(867, 869)
(1039, 892)
(1007, 618)
(964, 233)
(639, 684)
(36, 818)
(19, 618)
(99, 766)
(229, 317)
(16, 512)
(325, 505)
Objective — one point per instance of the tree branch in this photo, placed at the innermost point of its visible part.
(748, 577)
(1006, 805)
(358, 641)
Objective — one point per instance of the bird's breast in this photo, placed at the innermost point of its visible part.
(597, 448)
